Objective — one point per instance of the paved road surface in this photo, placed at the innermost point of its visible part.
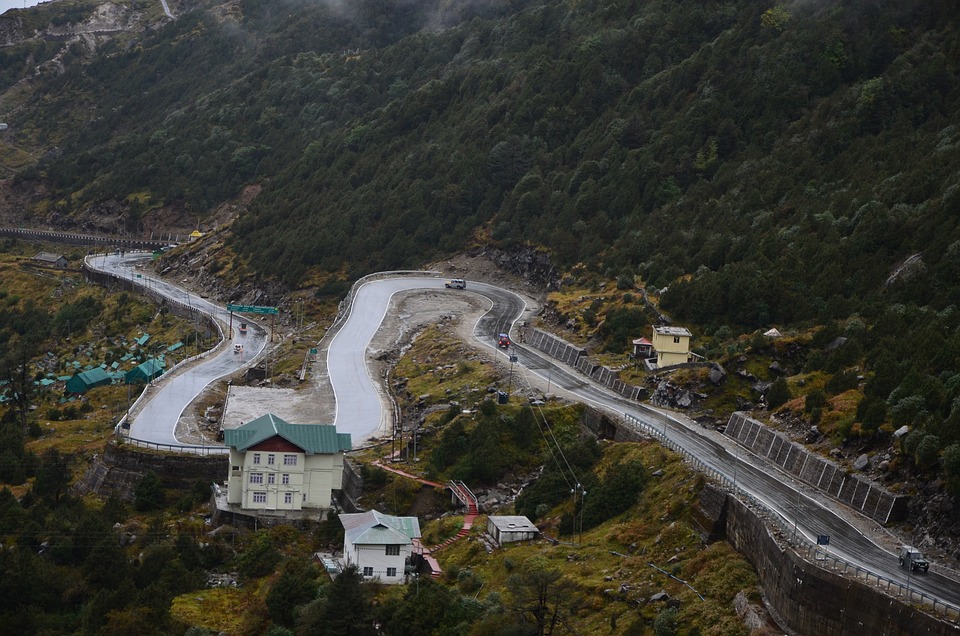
(156, 421)
(359, 397)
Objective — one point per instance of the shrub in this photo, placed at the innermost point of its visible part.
(815, 399)
(778, 394)
(928, 451)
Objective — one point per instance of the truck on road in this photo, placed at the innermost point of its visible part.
(912, 559)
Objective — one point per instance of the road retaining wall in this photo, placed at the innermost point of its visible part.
(853, 490)
(74, 238)
(122, 466)
(806, 598)
(576, 357)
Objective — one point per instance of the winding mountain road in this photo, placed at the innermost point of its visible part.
(361, 411)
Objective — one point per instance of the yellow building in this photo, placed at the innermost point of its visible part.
(671, 344)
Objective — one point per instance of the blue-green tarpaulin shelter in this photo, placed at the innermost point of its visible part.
(83, 382)
(146, 371)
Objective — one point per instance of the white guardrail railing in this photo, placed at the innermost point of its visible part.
(809, 550)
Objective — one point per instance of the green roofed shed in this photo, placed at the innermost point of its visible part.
(146, 371)
(312, 438)
(142, 340)
(83, 382)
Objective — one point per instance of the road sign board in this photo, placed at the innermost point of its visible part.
(252, 309)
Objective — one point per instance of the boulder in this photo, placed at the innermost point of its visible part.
(862, 462)
(717, 374)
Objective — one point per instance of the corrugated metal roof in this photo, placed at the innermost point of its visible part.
(312, 438)
(373, 527)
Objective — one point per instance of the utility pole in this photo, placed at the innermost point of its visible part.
(583, 493)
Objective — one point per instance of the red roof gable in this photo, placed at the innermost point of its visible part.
(276, 444)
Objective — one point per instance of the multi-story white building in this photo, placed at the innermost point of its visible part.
(276, 465)
(379, 545)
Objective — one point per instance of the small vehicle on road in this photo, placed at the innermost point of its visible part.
(238, 348)
(243, 328)
(503, 341)
(455, 283)
(912, 559)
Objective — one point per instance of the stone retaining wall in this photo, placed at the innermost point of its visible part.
(853, 490)
(123, 465)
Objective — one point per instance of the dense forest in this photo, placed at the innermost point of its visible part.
(753, 164)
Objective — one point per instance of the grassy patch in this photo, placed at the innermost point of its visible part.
(440, 368)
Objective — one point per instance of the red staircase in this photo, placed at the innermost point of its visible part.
(461, 492)
(466, 496)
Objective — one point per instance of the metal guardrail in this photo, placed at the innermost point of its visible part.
(176, 448)
(802, 546)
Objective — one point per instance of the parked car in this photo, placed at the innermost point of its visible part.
(455, 283)
(912, 559)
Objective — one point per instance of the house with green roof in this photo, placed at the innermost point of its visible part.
(278, 466)
(379, 545)
(86, 380)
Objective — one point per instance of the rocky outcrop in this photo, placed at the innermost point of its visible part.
(11, 29)
(531, 265)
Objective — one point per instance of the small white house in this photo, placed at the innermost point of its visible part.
(276, 465)
(506, 529)
(379, 545)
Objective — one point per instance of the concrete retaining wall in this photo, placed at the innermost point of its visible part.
(576, 357)
(853, 490)
(812, 600)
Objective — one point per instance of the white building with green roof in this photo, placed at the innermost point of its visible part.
(278, 466)
(379, 545)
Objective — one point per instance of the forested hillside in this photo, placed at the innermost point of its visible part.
(790, 156)
(779, 163)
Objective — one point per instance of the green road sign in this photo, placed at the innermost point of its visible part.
(252, 309)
